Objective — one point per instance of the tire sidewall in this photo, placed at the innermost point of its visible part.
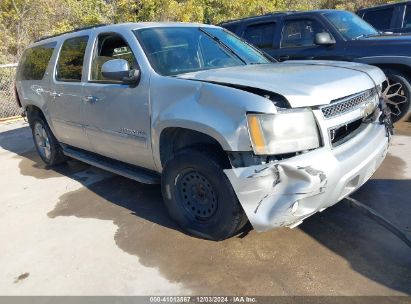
(220, 224)
(396, 76)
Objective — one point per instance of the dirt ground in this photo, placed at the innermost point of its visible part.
(77, 230)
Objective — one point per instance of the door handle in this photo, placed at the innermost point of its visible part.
(55, 94)
(90, 99)
(283, 58)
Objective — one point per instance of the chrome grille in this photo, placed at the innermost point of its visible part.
(347, 104)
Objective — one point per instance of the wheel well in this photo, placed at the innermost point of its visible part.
(174, 139)
(32, 111)
(403, 69)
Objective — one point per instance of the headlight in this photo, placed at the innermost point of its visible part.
(281, 133)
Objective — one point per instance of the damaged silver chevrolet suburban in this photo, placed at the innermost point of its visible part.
(230, 134)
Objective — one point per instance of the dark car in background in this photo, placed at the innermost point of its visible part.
(334, 35)
(394, 17)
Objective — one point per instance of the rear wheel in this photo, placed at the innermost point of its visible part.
(46, 144)
(396, 92)
(199, 196)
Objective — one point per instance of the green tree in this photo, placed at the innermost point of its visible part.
(23, 21)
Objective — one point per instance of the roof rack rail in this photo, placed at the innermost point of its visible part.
(254, 16)
(73, 31)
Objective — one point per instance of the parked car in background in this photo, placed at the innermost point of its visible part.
(231, 135)
(334, 35)
(393, 17)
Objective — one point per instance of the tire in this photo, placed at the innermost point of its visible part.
(199, 196)
(396, 92)
(46, 144)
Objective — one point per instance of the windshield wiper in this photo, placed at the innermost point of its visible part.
(226, 47)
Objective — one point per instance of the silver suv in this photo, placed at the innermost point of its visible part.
(231, 135)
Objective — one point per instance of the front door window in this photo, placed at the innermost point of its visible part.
(300, 33)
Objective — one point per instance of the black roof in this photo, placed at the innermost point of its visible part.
(72, 31)
(384, 5)
(274, 14)
(257, 16)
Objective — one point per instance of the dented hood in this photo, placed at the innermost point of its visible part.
(302, 83)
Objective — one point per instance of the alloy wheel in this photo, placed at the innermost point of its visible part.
(42, 140)
(396, 97)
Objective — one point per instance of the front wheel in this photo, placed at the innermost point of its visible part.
(396, 92)
(199, 196)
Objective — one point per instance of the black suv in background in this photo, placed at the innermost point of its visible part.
(395, 17)
(334, 35)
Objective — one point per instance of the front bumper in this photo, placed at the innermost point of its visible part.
(283, 193)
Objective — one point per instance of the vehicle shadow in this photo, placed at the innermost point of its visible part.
(369, 248)
(309, 260)
(112, 188)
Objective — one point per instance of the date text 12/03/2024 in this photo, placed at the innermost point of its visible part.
(203, 299)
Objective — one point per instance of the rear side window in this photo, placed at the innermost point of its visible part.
(380, 19)
(70, 62)
(261, 35)
(35, 60)
(231, 27)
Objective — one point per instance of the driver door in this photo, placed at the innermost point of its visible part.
(298, 41)
(117, 117)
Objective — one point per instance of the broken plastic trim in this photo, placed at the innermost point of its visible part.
(248, 158)
(268, 193)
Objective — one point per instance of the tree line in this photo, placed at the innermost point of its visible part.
(23, 21)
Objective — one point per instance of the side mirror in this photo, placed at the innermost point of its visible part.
(119, 70)
(324, 38)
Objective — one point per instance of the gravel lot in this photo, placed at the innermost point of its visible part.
(77, 230)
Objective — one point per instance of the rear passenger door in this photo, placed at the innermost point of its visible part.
(65, 96)
(117, 114)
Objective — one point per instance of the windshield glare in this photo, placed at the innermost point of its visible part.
(176, 50)
(350, 25)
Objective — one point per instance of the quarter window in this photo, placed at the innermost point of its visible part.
(298, 33)
(407, 18)
(380, 19)
(231, 27)
(110, 46)
(35, 60)
(70, 62)
(261, 35)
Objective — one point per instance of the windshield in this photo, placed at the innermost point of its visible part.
(350, 25)
(176, 50)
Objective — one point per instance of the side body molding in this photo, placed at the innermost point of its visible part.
(375, 60)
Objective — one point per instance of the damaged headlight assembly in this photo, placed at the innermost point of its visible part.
(284, 132)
